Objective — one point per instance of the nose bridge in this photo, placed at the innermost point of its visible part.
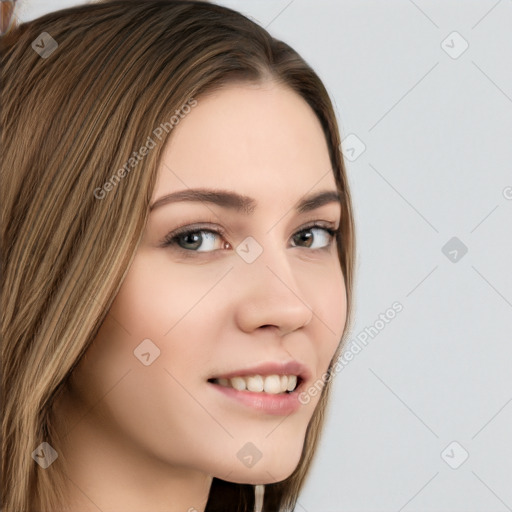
(270, 292)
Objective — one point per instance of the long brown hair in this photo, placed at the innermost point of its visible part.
(70, 117)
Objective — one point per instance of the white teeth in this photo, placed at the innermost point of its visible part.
(238, 383)
(272, 384)
(292, 382)
(255, 383)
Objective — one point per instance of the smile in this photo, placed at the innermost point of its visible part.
(271, 384)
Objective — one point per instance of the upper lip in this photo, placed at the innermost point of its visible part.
(270, 368)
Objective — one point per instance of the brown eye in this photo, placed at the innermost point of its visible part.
(315, 237)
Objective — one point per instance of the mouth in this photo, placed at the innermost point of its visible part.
(270, 388)
(270, 384)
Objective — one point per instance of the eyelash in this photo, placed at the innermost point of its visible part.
(172, 238)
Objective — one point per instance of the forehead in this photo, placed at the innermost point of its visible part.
(257, 139)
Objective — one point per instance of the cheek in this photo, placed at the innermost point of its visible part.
(170, 305)
(155, 297)
(143, 304)
(330, 312)
(146, 307)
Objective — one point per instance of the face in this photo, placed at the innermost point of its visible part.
(230, 296)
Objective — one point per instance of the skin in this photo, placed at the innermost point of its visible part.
(152, 437)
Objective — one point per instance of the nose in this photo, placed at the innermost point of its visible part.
(271, 298)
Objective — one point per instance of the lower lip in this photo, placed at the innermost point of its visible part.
(279, 405)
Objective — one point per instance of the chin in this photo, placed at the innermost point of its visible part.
(262, 474)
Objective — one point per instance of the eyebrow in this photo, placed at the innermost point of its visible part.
(241, 203)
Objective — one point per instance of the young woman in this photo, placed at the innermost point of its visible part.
(178, 248)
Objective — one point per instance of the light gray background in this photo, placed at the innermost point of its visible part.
(437, 164)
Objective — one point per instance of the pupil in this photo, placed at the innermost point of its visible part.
(306, 237)
(192, 239)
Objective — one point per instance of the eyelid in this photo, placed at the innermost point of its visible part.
(318, 223)
(194, 227)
